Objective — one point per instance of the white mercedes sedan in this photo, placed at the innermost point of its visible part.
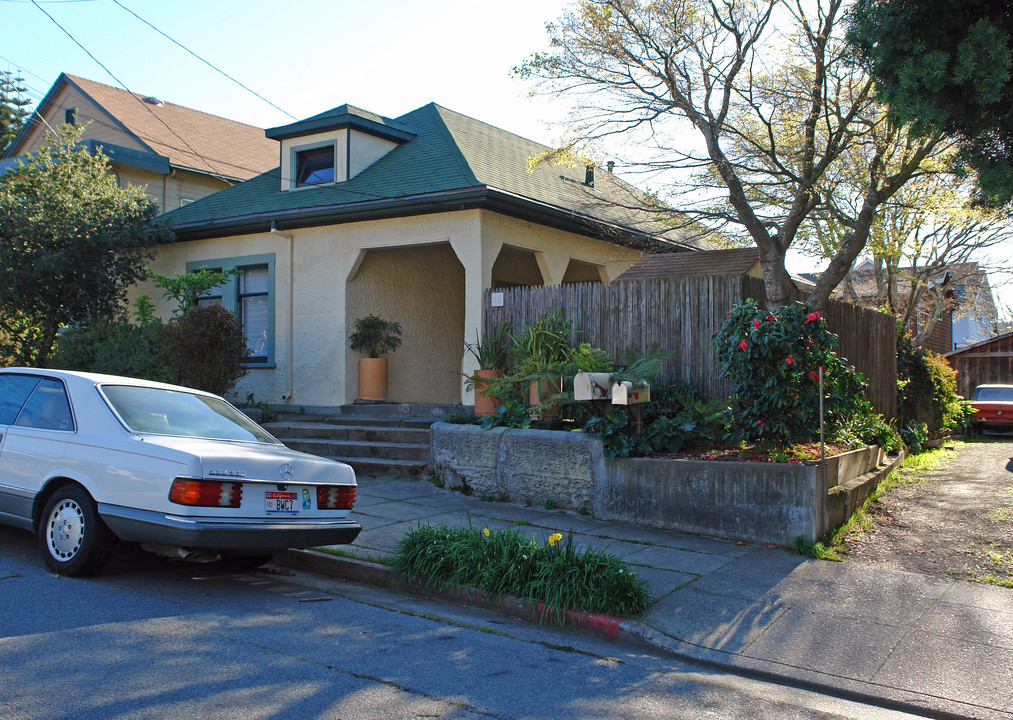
(87, 460)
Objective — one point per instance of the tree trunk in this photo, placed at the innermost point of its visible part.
(45, 345)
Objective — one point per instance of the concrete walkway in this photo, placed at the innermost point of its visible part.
(942, 646)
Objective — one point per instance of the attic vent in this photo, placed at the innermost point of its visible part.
(152, 100)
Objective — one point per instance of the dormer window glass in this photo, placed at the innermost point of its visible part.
(314, 166)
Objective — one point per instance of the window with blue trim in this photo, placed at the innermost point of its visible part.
(249, 295)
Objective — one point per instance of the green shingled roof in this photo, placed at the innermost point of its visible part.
(453, 161)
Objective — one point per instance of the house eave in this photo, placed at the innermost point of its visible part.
(478, 197)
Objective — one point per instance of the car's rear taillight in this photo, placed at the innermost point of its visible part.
(335, 497)
(206, 493)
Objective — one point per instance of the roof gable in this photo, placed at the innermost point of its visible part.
(189, 138)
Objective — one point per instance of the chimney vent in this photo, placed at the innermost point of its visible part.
(611, 165)
(589, 175)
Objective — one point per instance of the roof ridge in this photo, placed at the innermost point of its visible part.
(497, 128)
(445, 132)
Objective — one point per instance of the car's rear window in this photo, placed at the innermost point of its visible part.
(171, 412)
(993, 394)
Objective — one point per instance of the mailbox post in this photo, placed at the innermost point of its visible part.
(633, 397)
(600, 391)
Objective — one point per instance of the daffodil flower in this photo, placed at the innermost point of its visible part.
(554, 538)
(486, 531)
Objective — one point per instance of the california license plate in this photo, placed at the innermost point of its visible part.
(281, 502)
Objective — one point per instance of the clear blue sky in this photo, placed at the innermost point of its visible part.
(306, 56)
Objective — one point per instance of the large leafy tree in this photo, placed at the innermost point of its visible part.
(760, 94)
(927, 232)
(71, 243)
(947, 65)
(13, 106)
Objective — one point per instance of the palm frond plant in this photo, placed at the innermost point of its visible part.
(491, 351)
(541, 353)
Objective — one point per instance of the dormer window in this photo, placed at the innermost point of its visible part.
(335, 146)
(314, 166)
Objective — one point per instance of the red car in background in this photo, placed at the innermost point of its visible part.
(994, 404)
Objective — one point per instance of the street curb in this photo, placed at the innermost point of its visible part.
(631, 633)
(388, 578)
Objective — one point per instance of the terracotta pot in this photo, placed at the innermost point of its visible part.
(485, 405)
(372, 378)
(542, 390)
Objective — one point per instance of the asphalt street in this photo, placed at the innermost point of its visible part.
(152, 638)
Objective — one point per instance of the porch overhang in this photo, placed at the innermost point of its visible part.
(478, 197)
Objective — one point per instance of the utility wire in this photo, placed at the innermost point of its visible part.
(123, 85)
(206, 62)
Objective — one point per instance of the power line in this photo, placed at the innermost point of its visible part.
(123, 85)
(206, 62)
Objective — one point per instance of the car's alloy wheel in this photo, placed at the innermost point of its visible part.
(72, 537)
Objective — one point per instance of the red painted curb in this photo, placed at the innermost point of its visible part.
(604, 626)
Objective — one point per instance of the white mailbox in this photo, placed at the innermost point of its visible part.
(591, 386)
(623, 393)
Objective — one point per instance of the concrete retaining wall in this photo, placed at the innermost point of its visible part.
(528, 466)
(759, 502)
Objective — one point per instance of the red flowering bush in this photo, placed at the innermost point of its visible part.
(773, 360)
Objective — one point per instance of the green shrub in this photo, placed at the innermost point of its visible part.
(205, 348)
(505, 563)
(773, 361)
(114, 347)
(927, 388)
(914, 434)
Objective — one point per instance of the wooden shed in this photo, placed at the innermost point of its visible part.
(989, 361)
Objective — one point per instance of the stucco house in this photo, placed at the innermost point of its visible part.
(411, 219)
(178, 154)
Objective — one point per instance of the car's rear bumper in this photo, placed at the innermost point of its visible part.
(145, 526)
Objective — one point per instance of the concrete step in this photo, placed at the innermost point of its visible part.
(381, 421)
(403, 410)
(372, 467)
(357, 449)
(360, 433)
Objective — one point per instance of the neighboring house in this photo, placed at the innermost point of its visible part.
(411, 219)
(956, 306)
(180, 155)
(989, 361)
(975, 317)
(743, 261)
(737, 261)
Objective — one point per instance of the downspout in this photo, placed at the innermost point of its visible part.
(287, 397)
(165, 190)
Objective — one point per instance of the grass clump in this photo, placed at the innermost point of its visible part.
(503, 562)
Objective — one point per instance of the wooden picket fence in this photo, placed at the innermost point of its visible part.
(682, 314)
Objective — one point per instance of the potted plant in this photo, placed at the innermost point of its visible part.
(374, 337)
(542, 352)
(491, 352)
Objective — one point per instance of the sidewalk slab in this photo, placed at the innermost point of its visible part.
(896, 638)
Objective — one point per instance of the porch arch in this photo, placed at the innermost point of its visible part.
(422, 288)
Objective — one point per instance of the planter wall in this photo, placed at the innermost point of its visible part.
(528, 466)
(759, 502)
